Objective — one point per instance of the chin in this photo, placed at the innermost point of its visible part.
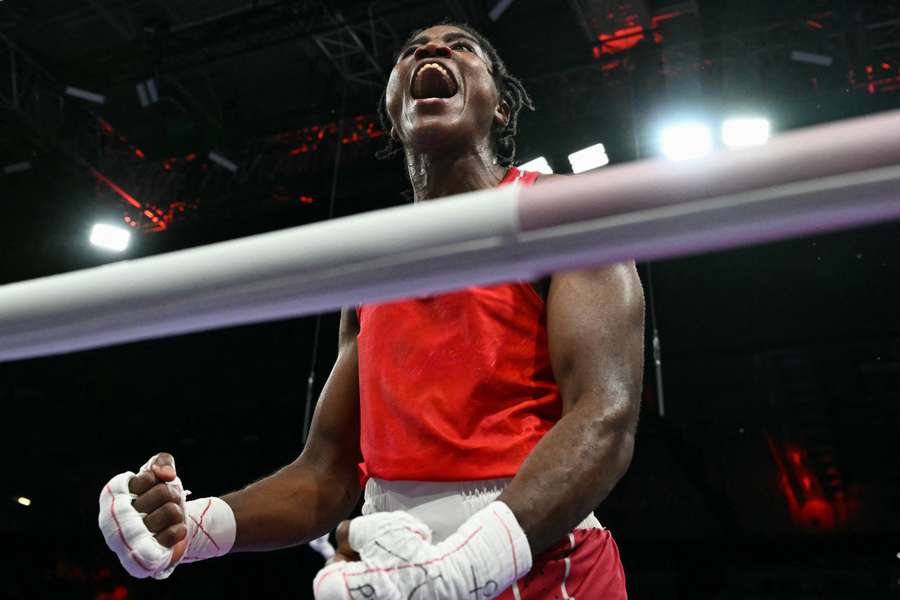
(438, 134)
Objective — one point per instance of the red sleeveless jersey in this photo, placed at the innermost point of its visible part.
(456, 386)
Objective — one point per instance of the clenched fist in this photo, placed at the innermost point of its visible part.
(160, 504)
(149, 525)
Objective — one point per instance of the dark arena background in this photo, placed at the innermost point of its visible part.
(770, 466)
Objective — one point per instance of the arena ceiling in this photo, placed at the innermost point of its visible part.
(272, 86)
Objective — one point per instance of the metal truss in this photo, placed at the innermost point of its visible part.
(358, 31)
(29, 91)
(353, 48)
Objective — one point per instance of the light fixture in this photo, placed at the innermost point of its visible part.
(24, 501)
(110, 237)
(744, 132)
(85, 95)
(589, 158)
(16, 167)
(223, 162)
(499, 8)
(147, 93)
(686, 141)
(539, 165)
(811, 58)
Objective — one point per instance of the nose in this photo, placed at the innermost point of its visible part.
(432, 49)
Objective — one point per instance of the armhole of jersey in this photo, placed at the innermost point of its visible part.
(544, 284)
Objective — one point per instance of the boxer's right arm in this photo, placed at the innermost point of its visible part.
(319, 489)
(146, 520)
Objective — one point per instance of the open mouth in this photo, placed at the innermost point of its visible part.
(432, 80)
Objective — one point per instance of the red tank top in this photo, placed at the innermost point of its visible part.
(456, 386)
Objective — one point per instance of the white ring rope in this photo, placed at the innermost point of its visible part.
(820, 179)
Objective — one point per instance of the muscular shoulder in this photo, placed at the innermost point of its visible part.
(542, 286)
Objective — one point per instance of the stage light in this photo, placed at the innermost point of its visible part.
(223, 162)
(499, 8)
(745, 132)
(810, 58)
(147, 93)
(24, 501)
(539, 165)
(85, 95)
(16, 167)
(110, 237)
(589, 158)
(686, 141)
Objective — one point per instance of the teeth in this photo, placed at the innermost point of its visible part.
(435, 66)
(441, 69)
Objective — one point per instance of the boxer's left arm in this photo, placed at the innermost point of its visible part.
(595, 322)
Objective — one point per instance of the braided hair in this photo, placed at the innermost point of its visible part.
(511, 91)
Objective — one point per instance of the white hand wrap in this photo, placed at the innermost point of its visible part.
(323, 547)
(398, 561)
(210, 529)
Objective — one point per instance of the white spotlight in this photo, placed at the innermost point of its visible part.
(539, 165)
(745, 132)
(109, 237)
(686, 141)
(24, 501)
(589, 158)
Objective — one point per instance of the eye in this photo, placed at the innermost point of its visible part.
(462, 46)
(408, 51)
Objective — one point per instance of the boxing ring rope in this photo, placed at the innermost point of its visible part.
(820, 179)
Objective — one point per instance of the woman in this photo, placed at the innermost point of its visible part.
(484, 425)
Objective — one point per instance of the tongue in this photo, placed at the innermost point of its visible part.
(431, 83)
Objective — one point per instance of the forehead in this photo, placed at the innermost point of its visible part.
(441, 32)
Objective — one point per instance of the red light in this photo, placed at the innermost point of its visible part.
(870, 69)
(664, 17)
(815, 24)
(190, 157)
(138, 153)
(149, 214)
(306, 199)
(816, 513)
(886, 66)
(118, 190)
(621, 40)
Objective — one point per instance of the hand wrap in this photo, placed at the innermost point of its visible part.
(210, 528)
(398, 561)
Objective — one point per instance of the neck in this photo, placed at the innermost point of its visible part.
(438, 174)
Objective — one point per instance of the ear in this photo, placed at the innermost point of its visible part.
(501, 114)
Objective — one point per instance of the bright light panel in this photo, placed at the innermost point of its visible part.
(23, 501)
(745, 132)
(589, 158)
(109, 237)
(686, 141)
(539, 165)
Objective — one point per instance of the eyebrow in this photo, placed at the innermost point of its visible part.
(447, 37)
